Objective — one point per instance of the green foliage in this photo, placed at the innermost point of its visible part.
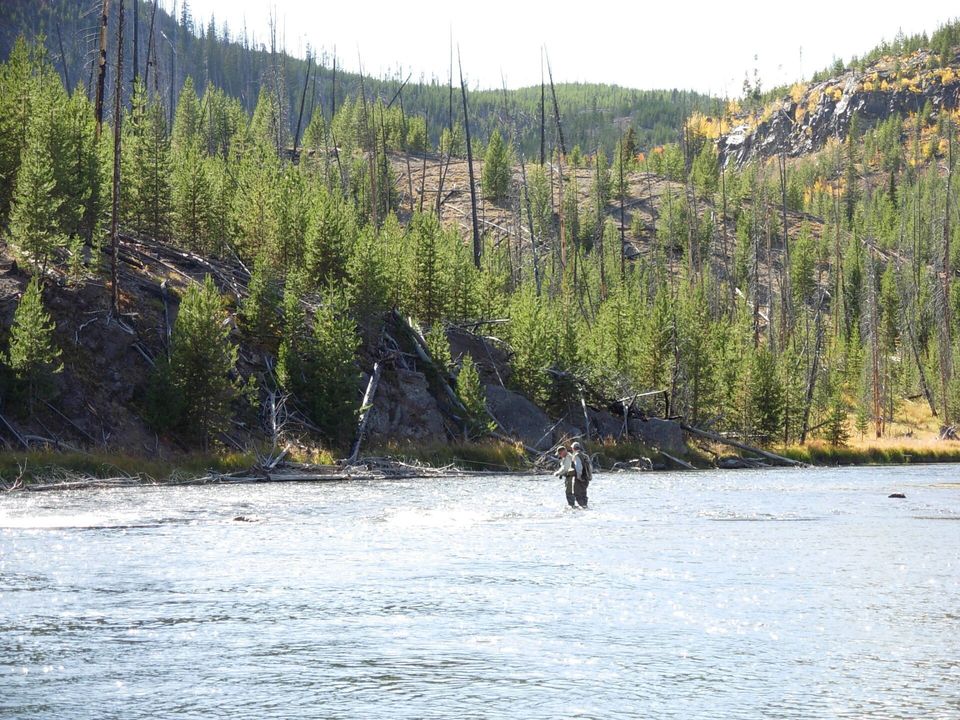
(147, 172)
(669, 162)
(802, 266)
(766, 396)
(260, 310)
(33, 357)
(531, 339)
(439, 347)
(471, 393)
(705, 171)
(429, 288)
(34, 230)
(318, 364)
(455, 143)
(836, 430)
(497, 168)
(330, 234)
(192, 196)
(198, 380)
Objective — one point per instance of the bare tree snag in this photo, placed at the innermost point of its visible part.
(473, 186)
(115, 214)
(101, 65)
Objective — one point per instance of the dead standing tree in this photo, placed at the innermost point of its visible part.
(101, 65)
(473, 187)
(115, 214)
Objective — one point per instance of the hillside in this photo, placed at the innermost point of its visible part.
(776, 302)
(242, 65)
(900, 81)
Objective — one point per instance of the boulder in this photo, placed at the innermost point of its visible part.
(404, 408)
(519, 417)
(663, 434)
(604, 424)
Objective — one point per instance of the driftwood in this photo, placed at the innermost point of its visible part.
(366, 408)
(682, 463)
(70, 422)
(14, 432)
(742, 446)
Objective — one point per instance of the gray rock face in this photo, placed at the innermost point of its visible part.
(827, 109)
(604, 424)
(663, 434)
(520, 417)
(404, 409)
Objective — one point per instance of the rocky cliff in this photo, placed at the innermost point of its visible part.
(803, 120)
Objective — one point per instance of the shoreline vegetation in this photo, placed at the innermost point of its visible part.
(47, 469)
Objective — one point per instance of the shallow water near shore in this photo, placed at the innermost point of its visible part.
(737, 594)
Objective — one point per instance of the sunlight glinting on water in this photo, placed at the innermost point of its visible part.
(710, 595)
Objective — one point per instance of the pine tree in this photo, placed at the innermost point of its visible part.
(188, 118)
(471, 393)
(146, 187)
(530, 340)
(260, 310)
(766, 399)
(253, 219)
(497, 168)
(367, 273)
(439, 346)
(34, 229)
(33, 358)
(428, 291)
(202, 361)
(705, 170)
(837, 431)
(330, 235)
(192, 198)
(319, 366)
(16, 94)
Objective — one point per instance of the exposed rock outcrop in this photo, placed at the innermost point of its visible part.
(520, 417)
(662, 434)
(804, 120)
(405, 409)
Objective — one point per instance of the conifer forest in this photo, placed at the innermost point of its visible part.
(205, 238)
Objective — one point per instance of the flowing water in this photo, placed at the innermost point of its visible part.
(738, 594)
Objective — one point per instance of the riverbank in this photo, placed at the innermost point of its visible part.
(895, 452)
(50, 469)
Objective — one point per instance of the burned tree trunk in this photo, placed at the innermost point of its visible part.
(303, 101)
(473, 187)
(63, 61)
(556, 109)
(101, 66)
(115, 215)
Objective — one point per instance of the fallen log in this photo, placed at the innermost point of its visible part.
(682, 463)
(742, 446)
(366, 408)
(14, 432)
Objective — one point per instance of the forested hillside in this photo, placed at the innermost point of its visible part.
(781, 300)
(241, 65)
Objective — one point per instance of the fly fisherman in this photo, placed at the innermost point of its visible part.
(567, 472)
(583, 474)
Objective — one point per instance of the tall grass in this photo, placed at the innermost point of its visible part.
(40, 465)
(817, 453)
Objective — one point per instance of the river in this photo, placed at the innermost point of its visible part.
(736, 594)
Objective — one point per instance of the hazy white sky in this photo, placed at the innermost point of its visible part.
(659, 44)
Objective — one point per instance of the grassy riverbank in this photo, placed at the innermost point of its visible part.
(44, 466)
(47, 465)
(895, 452)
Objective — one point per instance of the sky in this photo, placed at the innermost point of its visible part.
(664, 44)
